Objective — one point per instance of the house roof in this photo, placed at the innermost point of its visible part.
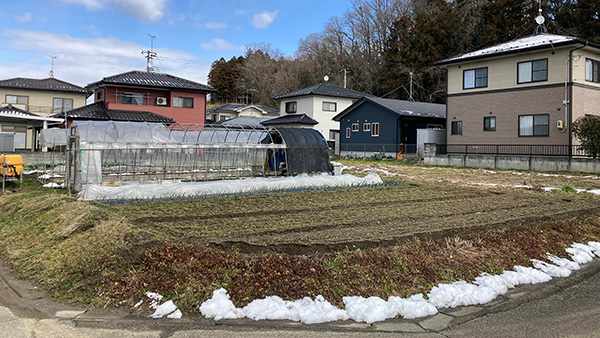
(20, 115)
(98, 111)
(149, 79)
(291, 119)
(400, 107)
(243, 121)
(324, 90)
(532, 42)
(49, 84)
(237, 108)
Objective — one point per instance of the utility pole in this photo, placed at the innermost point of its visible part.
(52, 69)
(345, 70)
(150, 54)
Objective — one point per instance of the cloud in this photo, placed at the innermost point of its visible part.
(85, 60)
(25, 18)
(144, 10)
(221, 45)
(214, 25)
(264, 19)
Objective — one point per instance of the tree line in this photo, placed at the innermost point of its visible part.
(381, 42)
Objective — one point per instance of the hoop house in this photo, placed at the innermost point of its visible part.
(117, 153)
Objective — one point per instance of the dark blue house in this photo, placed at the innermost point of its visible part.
(389, 127)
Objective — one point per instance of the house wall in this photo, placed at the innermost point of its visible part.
(502, 71)
(506, 107)
(313, 106)
(197, 114)
(40, 102)
(369, 113)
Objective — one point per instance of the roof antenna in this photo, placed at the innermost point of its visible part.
(540, 29)
(51, 73)
(410, 97)
(150, 54)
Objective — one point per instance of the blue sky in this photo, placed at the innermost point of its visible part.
(92, 39)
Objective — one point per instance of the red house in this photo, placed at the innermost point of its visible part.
(182, 100)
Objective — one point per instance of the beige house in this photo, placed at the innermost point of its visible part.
(29, 102)
(320, 102)
(234, 110)
(524, 92)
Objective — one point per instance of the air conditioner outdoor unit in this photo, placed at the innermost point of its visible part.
(161, 101)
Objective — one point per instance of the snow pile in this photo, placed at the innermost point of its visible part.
(375, 309)
(220, 306)
(167, 308)
(54, 185)
(225, 187)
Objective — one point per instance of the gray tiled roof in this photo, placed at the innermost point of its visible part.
(243, 121)
(531, 42)
(290, 119)
(10, 110)
(48, 84)
(400, 107)
(325, 90)
(149, 79)
(237, 107)
(98, 111)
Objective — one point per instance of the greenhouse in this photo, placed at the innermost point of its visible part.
(119, 153)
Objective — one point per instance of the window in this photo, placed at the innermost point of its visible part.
(366, 126)
(329, 106)
(534, 125)
(132, 98)
(99, 95)
(61, 105)
(489, 123)
(347, 132)
(375, 129)
(456, 128)
(224, 118)
(475, 78)
(15, 99)
(20, 139)
(183, 102)
(291, 107)
(591, 70)
(532, 71)
(354, 127)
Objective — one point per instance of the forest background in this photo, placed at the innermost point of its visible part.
(378, 43)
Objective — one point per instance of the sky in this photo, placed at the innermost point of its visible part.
(92, 39)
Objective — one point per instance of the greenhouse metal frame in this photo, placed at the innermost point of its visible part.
(118, 153)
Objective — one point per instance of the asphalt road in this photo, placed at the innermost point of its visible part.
(565, 310)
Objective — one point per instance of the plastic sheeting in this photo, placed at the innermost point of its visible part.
(53, 137)
(227, 187)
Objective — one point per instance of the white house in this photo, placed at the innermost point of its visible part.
(321, 103)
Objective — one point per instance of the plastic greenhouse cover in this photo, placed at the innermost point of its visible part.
(225, 187)
(99, 134)
(53, 137)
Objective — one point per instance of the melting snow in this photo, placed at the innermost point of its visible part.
(373, 309)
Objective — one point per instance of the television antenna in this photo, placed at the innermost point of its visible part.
(326, 78)
(150, 54)
(51, 73)
(540, 20)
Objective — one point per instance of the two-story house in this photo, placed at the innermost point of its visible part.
(321, 103)
(527, 91)
(181, 100)
(26, 105)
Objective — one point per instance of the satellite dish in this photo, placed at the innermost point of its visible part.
(326, 78)
(540, 20)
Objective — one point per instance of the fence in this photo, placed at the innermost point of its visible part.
(365, 150)
(512, 149)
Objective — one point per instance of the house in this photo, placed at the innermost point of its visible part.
(23, 125)
(523, 92)
(291, 121)
(232, 110)
(42, 97)
(179, 99)
(99, 112)
(374, 124)
(321, 103)
(27, 104)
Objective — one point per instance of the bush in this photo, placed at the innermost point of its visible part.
(587, 130)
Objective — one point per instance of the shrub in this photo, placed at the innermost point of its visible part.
(587, 130)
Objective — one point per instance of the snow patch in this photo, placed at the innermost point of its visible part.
(167, 308)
